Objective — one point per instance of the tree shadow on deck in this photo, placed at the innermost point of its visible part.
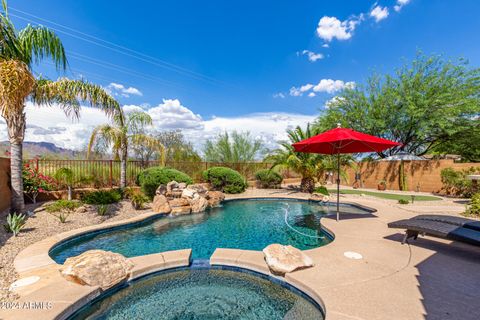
(448, 280)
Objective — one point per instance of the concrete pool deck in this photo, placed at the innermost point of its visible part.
(427, 279)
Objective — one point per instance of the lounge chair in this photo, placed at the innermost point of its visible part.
(458, 221)
(439, 229)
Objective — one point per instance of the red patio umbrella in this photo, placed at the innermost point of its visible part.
(342, 140)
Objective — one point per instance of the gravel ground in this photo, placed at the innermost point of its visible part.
(43, 225)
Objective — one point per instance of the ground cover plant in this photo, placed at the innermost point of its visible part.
(102, 197)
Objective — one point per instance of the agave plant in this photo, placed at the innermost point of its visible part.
(123, 131)
(15, 223)
(18, 51)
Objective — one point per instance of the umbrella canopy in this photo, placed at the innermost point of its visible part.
(342, 140)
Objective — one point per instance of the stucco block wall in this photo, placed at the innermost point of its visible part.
(4, 183)
(421, 175)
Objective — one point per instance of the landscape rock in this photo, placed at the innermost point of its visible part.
(182, 185)
(200, 188)
(180, 206)
(319, 197)
(160, 204)
(172, 185)
(198, 204)
(214, 198)
(161, 190)
(189, 194)
(283, 259)
(97, 268)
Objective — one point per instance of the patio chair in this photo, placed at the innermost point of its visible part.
(415, 226)
(458, 221)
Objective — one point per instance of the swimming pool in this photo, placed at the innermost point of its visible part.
(249, 224)
(203, 294)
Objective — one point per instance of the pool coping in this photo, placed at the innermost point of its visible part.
(35, 258)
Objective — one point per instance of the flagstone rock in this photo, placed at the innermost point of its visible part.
(198, 204)
(97, 268)
(160, 204)
(180, 206)
(172, 185)
(284, 259)
(214, 198)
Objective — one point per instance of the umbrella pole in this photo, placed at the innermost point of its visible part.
(338, 186)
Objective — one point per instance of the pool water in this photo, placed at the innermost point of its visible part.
(240, 224)
(203, 294)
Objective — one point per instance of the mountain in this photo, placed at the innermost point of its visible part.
(43, 150)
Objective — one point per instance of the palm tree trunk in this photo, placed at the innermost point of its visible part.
(307, 184)
(123, 168)
(69, 192)
(16, 132)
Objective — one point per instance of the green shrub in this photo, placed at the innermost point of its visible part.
(102, 197)
(62, 205)
(322, 190)
(403, 201)
(15, 223)
(473, 209)
(150, 179)
(225, 179)
(138, 200)
(456, 182)
(102, 209)
(268, 179)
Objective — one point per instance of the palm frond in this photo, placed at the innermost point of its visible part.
(39, 42)
(150, 142)
(70, 93)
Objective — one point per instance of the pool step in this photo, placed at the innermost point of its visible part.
(200, 264)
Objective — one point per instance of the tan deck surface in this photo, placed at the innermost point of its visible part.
(428, 279)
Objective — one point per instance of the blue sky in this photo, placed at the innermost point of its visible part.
(208, 66)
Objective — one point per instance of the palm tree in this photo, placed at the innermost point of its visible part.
(67, 178)
(18, 51)
(308, 165)
(123, 131)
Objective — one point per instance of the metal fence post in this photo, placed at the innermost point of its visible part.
(111, 173)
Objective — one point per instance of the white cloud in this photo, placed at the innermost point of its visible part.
(171, 114)
(270, 127)
(324, 85)
(379, 13)
(50, 124)
(117, 89)
(325, 45)
(279, 95)
(312, 56)
(132, 108)
(330, 28)
(400, 4)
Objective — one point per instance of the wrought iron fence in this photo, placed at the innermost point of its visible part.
(106, 173)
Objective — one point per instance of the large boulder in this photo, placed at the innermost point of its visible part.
(189, 194)
(162, 190)
(214, 198)
(283, 259)
(160, 204)
(198, 204)
(180, 206)
(182, 185)
(172, 185)
(97, 268)
(200, 188)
